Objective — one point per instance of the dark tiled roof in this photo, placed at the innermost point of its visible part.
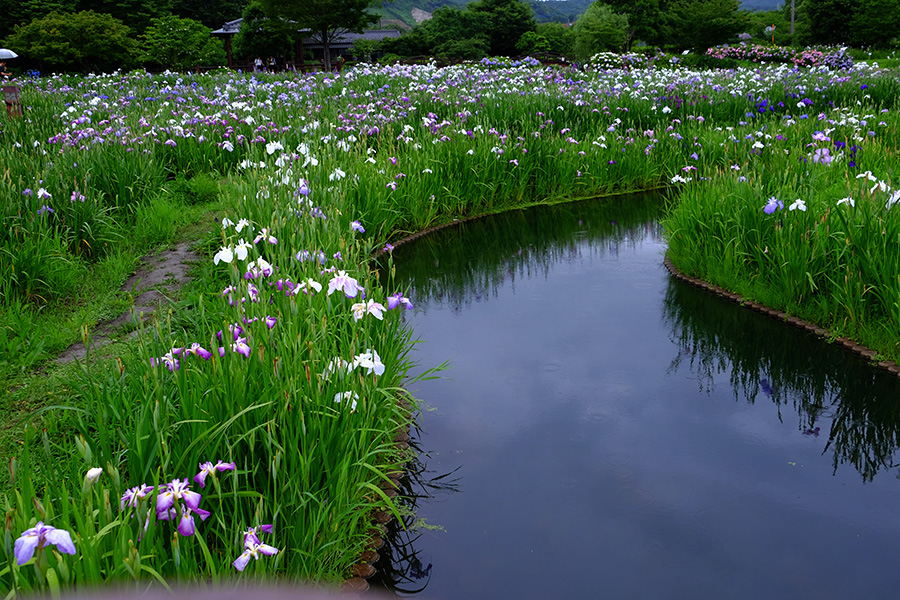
(345, 39)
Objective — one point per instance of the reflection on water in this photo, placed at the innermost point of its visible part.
(829, 392)
(479, 257)
(609, 430)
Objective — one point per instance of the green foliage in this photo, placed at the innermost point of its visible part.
(181, 44)
(876, 23)
(645, 19)
(137, 14)
(599, 29)
(482, 28)
(559, 38)
(449, 29)
(262, 37)
(701, 24)
(364, 50)
(200, 189)
(20, 12)
(507, 21)
(84, 41)
(531, 41)
(828, 21)
(465, 49)
(212, 13)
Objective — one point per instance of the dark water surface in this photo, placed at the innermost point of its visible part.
(605, 431)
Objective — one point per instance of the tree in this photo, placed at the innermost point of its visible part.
(181, 44)
(599, 29)
(645, 20)
(507, 21)
(83, 41)
(559, 37)
(212, 13)
(136, 14)
(262, 36)
(20, 12)
(449, 30)
(326, 19)
(828, 21)
(876, 23)
(700, 24)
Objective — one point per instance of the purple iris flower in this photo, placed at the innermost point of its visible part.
(208, 468)
(398, 300)
(822, 156)
(39, 536)
(357, 226)
(250, 534)
(134, 495)
(271, 321)
(178, 489)
(241, 347)
(389, 248)
(167, 510)
(198, 350)
(772, 205)
(186, 525)
(45, 210)
(253, 549)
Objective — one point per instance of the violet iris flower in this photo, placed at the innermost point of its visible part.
(167, 510)
(178, 489)
(357, 226)
(253, 549)
(398, 299)
(250, 534)
(135, 495)
(198, 350)
(39, 536)
(241, 347)
(208, 468)
(772, 205)
(822, 156)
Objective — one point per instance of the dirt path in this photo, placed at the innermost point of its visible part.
(158, 278)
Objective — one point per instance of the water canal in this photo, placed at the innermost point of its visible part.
(604, 430)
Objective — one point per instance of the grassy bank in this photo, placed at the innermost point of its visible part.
(284, 363)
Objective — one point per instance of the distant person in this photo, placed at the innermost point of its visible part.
(257, 64)
(4, 74)
(272, 63)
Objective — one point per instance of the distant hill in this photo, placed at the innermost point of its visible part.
(561, 11)
(764, 4)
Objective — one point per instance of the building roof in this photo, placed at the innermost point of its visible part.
(344, 39)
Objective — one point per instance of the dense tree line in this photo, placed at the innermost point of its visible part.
(617, 25)
(103, 35)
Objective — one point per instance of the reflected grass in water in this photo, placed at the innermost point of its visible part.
(832, 391)
(522, 243)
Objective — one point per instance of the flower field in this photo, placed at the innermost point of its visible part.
(256, 420)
